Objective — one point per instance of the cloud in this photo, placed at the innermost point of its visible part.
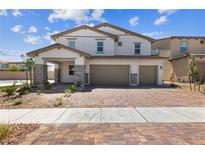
(161, 20)
(153, 34)
(48, 34)
(96, 15)
(47, 28)
(16, 13)
(79, 16)
(32, 39)
(17, 28)
(134, 21)
(32, 29)
(90, 24)
(166, 11)
(3, 12)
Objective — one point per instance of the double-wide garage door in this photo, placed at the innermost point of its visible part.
(109, 74)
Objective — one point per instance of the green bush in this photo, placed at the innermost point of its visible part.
(23, 92)
(17, 102)
(10, 90)
(47, 85)
(67, 90)
(13, 68)
(5, 131)
(73, 88)
(58, 101)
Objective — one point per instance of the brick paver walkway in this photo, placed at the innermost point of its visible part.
(135, 97)
(146, 133)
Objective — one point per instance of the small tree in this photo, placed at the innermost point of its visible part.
(13, 68)
(29, 65)
(192, 72)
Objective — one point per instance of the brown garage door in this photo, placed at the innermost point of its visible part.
(109, 74)
(147, 75)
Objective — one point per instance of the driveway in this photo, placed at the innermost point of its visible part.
(95, 97)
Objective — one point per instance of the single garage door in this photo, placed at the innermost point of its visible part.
(147, 75)
(109, 74)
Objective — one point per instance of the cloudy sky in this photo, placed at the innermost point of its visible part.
(25, 30)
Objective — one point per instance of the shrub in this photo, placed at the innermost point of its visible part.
(58, 101)
(73, 88)
(14, 68)
(67, 91)
(5, 131)
(10, 89)
(47, 85)
(17, 102)
(23, 92)
(78, 84)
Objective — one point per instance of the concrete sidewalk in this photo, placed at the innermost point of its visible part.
(104, 115)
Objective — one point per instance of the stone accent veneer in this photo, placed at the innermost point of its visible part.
(40, 74)
(57, 75)
(133, 78)
(86, 78)
(79, 74)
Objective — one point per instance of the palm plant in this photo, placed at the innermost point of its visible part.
(29, 65)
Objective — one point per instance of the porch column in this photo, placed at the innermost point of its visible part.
(134, 74)
(40, 71)
(56, 73)
(79, 70)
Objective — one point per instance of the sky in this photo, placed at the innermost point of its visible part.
(22, 31)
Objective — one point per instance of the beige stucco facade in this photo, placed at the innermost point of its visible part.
(170, 47)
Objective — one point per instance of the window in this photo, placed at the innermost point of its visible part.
(119, 44)
(71, 70)
(137, 48)
(157, 51)
(71, 44)
(5, 65)
(183, 47)
(99, 46)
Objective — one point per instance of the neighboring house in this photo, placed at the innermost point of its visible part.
(101, 55)
(179, 49)
(4, 65)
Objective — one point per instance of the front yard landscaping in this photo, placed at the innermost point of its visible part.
(48, 96)
(15, 133)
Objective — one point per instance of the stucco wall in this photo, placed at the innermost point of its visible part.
(180, 67)
(86, 40)
(64, 72)
(194, 46)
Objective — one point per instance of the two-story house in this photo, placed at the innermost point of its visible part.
(179, 49)
(101, 55)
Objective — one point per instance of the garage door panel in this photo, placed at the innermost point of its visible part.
(109, 74)
(148, 75)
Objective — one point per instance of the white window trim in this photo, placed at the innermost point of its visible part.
(100, 52)
(135, 48)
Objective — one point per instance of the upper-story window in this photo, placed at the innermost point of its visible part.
(137, 48)
(157, 51)
(183, 46)
(71, 44)
(100, 46)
